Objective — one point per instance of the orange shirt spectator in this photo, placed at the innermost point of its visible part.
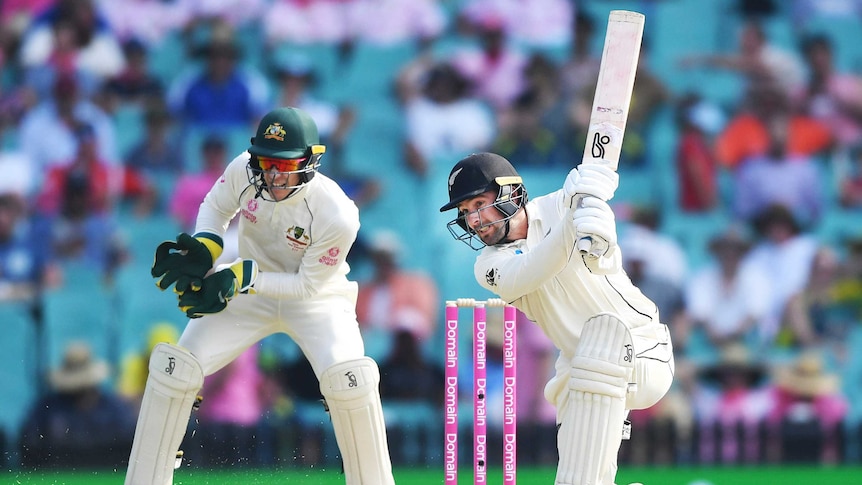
(747, 136)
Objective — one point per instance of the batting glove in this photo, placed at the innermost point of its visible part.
(594, 221)
(185, 261)
(597, 180)
(219, 288)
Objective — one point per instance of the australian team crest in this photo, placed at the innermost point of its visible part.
(275, 131)
(297, 236)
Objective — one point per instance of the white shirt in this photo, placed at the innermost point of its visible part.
(300, 243)
(545, 277)
(724, 308)
(435, 129)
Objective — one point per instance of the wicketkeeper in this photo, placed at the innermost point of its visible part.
(296, 227)
(615, 354)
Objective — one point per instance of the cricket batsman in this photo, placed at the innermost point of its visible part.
(296, 227)
(615, 354)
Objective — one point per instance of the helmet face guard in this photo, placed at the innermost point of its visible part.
(510, 198)
(259, 168)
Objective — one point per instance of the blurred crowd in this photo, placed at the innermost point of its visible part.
(739, 211)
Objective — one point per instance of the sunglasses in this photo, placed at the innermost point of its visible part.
(280, 164)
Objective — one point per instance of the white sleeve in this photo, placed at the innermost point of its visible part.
(511, 272)
(221, 203)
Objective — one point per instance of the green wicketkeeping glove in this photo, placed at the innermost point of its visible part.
(219, 288)
(185, 261)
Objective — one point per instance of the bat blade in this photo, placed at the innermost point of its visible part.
(614, 88)
(613, 96)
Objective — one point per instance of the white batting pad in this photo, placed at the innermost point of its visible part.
(352, 394)
(173, 383)
(592, 423)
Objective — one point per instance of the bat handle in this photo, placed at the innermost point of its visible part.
(584, 244)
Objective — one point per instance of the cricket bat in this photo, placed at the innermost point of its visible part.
(613, 93)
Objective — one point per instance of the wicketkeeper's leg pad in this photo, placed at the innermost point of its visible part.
(175, 378)
(352, 395)
(592, 422)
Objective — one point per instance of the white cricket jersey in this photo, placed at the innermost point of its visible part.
(545, 277)
(300, 243)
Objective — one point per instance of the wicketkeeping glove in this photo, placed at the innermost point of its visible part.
(185, 261)
(219, 288)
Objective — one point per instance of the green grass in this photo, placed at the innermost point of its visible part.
(528, 476)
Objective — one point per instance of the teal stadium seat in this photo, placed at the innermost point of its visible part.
(18, 367)
(139, 305)
(129, 126)
(80, 309)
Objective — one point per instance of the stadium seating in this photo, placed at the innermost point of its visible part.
(19, 368)
(80, 309)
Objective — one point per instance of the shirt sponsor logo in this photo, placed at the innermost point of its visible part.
(251, 206)
(332, 258)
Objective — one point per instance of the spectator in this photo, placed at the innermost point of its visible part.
(747, 133)
(151, 22)
(446, 120)
(103, 181)
(64, 111)
(778, 177)
(785, 252)
(849, 175)
(158, 152)
(26, 268)
(79, 234)
(79, 424)
(223, 94)
(134, 370)
(394, 22)
(697, 167)
(406, 376)
(136, 84)
(578, 74)
(72, 36)
(731, 401)
(535, 25)
(650, 94)
(295, 84)
(495, 68)
(667, 258)
(395, 298)
(806, 420)
(813, 315)
(234, 403)
(830, 96)
(759, 61)
(726, 300)
(528, 140)
(192, 187)
(236, 14)
(317, 22)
